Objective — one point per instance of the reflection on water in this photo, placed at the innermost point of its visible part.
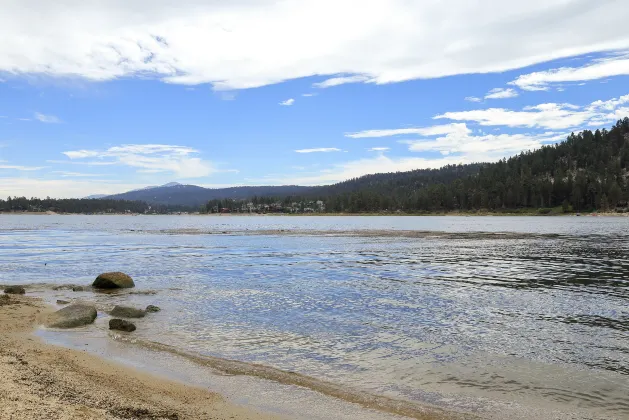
(536, 320)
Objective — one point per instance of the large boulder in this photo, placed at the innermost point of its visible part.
(14, 290)
(113, 281)
(121, 325)
(127, 312)
(72, 316)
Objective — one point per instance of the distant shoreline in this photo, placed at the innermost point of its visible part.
(531, 212)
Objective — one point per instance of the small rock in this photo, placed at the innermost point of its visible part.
(121, 324)
(153, 308)
(78, 289)
(62, 302)
(113, 281)
(72, 316)
(4, 300)
(127, 312)
(14, 290)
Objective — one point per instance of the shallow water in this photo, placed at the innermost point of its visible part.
(484, 323)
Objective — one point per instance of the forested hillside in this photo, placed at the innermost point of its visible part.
(587, 171)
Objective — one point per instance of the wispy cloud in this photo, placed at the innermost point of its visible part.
(24, 119)
(617, 65)
(154, 158)
(549, 116)
(21, 168)
(342, 80)
(378, 149)
(319, 150)
(501, 93)
(308, 95)
(423, 131)
(473, 99)
(67, 174)
(50, 119)
(287, 102)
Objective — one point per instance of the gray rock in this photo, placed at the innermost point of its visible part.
(78, 289)
(72, 316)
(127, 312)
(113, 281)
(14, 290)
(62, 302)
(121, 324)
(153, 308)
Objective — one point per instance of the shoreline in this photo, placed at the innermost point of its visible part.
(479, 213)
(42, 381)
(79, 384)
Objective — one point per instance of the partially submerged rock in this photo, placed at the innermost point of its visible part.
(14, 290)
(127, 312)
(62, 302)
(121, 325)
(114, 280)
(72, 316)
(78, 289)
(153, 308)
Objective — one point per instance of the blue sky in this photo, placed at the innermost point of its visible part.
(103, 98)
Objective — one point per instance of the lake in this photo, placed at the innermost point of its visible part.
(523, 317)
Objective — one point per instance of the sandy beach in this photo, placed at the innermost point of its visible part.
(41, 381)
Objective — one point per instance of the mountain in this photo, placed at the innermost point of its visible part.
(175, 194)
(95, 196)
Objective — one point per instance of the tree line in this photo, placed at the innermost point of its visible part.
(587, 171)
(79, 205)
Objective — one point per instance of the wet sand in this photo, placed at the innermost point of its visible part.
(41, 381)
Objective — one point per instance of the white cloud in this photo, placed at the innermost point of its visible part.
(24, 119)
(473, 99)
(422, 131)
(51, 119)
(549, 116)
(378, 149)
(21, 168)
(149, 158)
(485, 147)
(342, 80)
(319, 150)
(67, 174)
(500, 93)
(594, 70)
(308, 95)
(244, 43)
(287, 102)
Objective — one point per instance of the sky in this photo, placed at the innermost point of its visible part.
(104, 97)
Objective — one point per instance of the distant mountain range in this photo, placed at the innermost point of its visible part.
(176, 194)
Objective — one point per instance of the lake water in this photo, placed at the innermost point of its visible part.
(522, 317)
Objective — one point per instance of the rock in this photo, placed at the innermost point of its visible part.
(14, 290)
(121, 324)
(78, 289)
(127, 312)
(5, 300)
(153, 308)
(72, 316)
(113, 281)
(62, 302)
